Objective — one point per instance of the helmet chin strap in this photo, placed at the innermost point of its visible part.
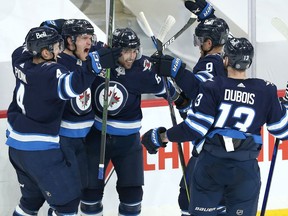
(205, 52)
(52, 59)
(74, 51)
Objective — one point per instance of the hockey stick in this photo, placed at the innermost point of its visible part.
(191, 20)
(106, 96)
(283, 29)
(159, 46)
(280, 26)
(269, 179)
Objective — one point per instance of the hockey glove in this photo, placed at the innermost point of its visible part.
(103, 58)
(152, 140)
(183, 104)
(55, 24)
(201, 8)
(167, 66)
(109, 56)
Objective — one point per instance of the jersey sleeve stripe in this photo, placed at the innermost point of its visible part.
(278, 125)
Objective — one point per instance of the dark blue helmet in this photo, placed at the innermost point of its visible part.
(215, 29)
(125, 38)
(42, 37)
(74, 27)
(240, 53)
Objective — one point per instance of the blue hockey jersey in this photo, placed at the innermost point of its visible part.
(207, 67)
(126, 87)
(229, 113)
(39, 97)
(78, 116)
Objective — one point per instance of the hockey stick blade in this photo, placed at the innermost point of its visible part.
(189, 23)
(147, 27)
(170, 21)
(280, 26)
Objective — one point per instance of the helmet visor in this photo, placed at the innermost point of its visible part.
(198, 41)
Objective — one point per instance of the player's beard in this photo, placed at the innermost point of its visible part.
(127, 64)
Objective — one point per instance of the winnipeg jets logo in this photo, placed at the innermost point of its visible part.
(147, 65)
(112, 96)
(84, 98)
(117, 97)
(82, 103)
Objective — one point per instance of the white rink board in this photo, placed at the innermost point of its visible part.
(161, 185)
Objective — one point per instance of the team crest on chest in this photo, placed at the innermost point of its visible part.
(82, 103)
(117, 97)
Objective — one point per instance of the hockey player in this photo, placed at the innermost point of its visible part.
(229, 112)
(134, 76)
(210, 36)
(34, 116)
(78, 117)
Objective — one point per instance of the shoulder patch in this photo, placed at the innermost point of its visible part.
(147, 65)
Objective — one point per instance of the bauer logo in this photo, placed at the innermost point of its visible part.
(154, 137)
(41, 35)
(176, 64)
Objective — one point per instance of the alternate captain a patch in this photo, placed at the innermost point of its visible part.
(117, 97)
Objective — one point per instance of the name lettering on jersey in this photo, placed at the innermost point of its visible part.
(41, 35)
(20, 75)
(239, 96)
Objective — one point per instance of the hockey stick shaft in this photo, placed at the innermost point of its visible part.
(159, 46)
(280, 26)
(189, 23)
(269, 179)
(106, 96)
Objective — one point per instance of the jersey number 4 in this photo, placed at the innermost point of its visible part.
(20, 96)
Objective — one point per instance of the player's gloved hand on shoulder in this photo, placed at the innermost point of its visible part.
(152, 140)
(103, 58)
(167, 66)
(183, 104)
(201, 8)
(55, 24)
(109, 56)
